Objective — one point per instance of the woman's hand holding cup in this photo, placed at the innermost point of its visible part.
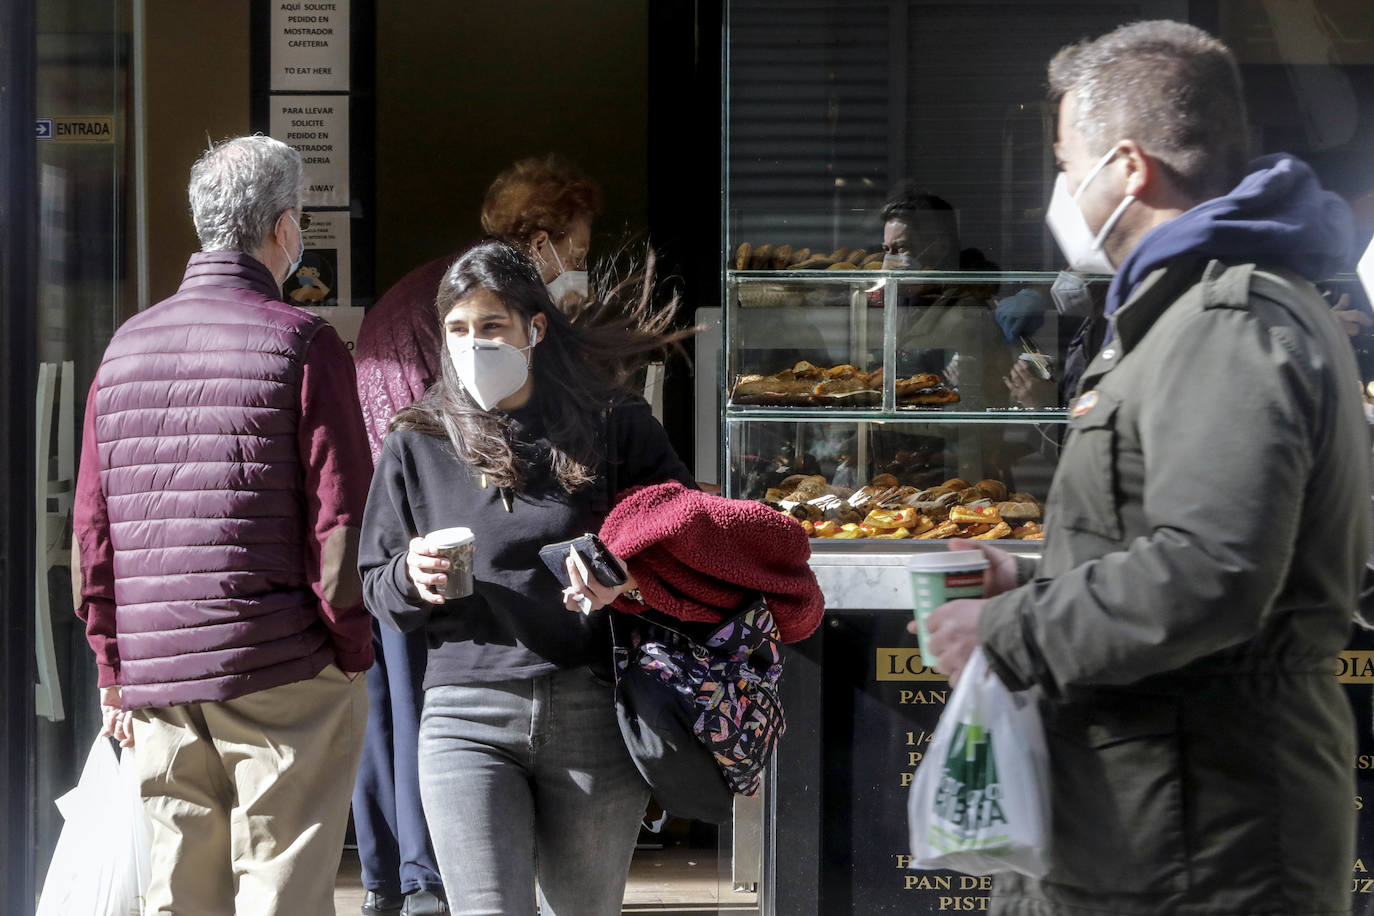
(427, 569)
(440, 564)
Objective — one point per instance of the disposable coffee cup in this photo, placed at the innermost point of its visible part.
(939, 577)
(456, 545)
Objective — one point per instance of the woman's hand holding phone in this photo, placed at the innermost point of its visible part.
(585, 593)
(427, 570)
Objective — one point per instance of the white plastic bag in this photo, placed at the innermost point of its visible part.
(101, 864)
(980, 800)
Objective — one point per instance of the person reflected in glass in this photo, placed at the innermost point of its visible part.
(920, 231)
(1078, 304)
(945, 329)
(846, 473)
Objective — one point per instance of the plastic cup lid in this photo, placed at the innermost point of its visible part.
(947, 561)
(449, 537)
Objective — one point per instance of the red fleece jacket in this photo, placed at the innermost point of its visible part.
(700, 557)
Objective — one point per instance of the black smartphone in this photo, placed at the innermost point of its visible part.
(595, 556)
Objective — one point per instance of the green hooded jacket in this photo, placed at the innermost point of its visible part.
(1206, 534)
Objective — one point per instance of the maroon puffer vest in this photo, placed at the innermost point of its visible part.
(198, 407)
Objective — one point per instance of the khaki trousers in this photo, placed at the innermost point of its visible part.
(249, 797)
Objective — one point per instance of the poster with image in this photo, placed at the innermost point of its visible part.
(323, 282)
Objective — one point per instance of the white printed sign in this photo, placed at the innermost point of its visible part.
(347, 321)
(310, 45)
(317, 127)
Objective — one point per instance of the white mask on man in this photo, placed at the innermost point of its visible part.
(934, 255)
(1365, 271)
(1070, 227)
(1071, 295)
(570, 287)
(490, 370)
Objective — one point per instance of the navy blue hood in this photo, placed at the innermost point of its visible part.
(1278, 216)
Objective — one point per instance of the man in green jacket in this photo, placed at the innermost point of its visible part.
(1206, 529)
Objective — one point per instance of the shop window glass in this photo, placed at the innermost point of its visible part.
(81, 95)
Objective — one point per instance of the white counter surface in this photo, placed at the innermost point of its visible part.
(871, 580)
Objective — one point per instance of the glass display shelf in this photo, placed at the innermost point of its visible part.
(972, 346)
(854, 479)
(738, 413)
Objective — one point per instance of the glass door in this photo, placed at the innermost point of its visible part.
(79, 290)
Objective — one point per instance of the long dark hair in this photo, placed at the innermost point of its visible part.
(577, 373)
(625, 290)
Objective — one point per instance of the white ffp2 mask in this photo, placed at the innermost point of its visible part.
(570, 287)
(1071, 295)
(1070, 228)
(490, 370)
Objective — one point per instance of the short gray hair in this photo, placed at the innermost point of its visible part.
(240, 188)
(1169, 86)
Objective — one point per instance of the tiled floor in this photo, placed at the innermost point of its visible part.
(675, 881)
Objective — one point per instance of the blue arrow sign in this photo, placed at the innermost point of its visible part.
(43, 129)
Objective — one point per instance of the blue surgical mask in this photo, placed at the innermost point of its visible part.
(296, 264)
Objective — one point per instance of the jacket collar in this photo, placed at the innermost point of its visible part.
(1150, 298)
(232, 269)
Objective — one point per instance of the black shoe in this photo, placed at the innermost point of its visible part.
(425, 903)
(375, 904)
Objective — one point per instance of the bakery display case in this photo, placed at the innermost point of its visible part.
(897, 351)
(903, 406)
(887, 411)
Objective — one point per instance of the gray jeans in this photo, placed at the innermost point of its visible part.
(526, 779)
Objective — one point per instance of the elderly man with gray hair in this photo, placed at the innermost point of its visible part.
(1206, 530)
(224, 467)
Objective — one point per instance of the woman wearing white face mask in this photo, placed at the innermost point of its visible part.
(523, 772)
(532, 205)
(568, 286)
(545, 206)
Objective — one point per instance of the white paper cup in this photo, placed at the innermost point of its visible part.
(938, 577)
(456, 545)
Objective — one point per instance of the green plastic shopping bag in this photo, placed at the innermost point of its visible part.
(980, 800)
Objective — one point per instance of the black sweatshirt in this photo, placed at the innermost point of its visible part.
(514, 626)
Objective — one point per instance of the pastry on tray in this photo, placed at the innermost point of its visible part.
(974, 515)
